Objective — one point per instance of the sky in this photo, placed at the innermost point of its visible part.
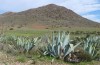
(86, 8)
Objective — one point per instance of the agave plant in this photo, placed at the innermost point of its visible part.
(6, 39)
(60, 45)
(20, 43)
(91, 46)
(26, 43)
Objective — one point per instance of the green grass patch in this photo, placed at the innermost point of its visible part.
(40, 32)
(21, 58)
(34, 33)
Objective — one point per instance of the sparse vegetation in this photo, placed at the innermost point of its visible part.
(59, 46)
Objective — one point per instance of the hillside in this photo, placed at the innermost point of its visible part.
(46, 16)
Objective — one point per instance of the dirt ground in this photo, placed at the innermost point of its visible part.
(39, 26)
(6, 59)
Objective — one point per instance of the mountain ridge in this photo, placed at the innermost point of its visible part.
(50, 15)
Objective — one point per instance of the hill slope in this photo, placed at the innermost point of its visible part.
(50, 16)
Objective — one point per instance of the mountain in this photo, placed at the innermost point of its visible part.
(2, 11)
(46, 16)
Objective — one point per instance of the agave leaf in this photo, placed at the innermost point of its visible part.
(58, 37)
(66, 40)
(66, 50)
(77, 45)
(35, 39)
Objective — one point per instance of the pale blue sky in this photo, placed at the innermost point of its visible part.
(87, 8)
